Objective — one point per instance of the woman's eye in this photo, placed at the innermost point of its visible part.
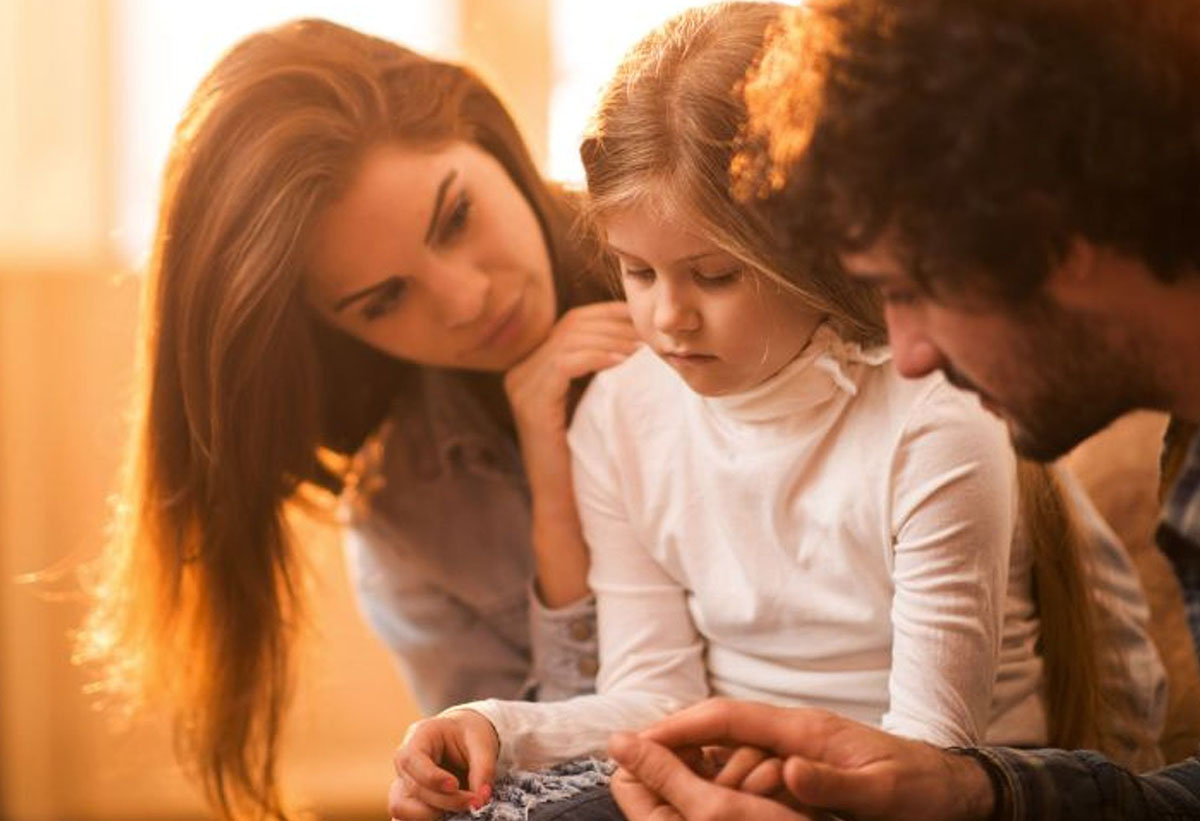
(899, 297)
(383, 302)
(456, 220)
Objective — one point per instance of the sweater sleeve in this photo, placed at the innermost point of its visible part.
(953, 519)
(651, 656)
(1056, 785)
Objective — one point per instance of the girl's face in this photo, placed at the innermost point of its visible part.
(723, 326)
(434, 256)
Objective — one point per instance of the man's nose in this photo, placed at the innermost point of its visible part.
(913, 353)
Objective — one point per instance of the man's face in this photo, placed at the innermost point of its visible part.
(1055, 375)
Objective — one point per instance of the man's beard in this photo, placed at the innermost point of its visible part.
(1075, 380)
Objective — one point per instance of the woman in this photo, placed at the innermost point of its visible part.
(352, 240)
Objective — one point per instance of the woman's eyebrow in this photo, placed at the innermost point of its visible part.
(439, 198)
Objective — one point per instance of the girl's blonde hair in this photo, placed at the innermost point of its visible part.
(198, 596)
(665, 134)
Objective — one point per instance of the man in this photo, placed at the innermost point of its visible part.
(1021, 179)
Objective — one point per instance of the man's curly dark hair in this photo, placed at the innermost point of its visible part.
(980, 137)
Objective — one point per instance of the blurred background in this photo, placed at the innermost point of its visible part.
(89, 93)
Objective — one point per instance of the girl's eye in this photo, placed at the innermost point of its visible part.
(456, 220)
(721, 278)
(385, 300)
(643, 275)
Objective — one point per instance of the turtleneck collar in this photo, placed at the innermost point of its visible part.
(826, 368)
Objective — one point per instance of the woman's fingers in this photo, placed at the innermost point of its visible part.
(596, 341)
(618, 309)
(581, 363)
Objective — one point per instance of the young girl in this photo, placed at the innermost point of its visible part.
(772, 512)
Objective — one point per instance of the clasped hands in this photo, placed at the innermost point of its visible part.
(721, 759)
(814, 764)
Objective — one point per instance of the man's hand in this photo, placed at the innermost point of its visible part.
(831, 763)
(653, 784)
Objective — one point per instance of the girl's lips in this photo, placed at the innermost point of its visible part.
(681, 358)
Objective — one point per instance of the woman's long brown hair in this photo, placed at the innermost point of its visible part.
(667, 131)
(198, 595)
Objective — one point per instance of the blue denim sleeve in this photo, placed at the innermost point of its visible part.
(1044, 785)
(564, 648)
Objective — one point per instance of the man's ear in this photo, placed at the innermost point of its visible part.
(1074, 279)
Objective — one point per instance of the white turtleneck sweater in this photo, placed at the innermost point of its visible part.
(836, 537)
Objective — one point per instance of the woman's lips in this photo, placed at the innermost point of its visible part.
(504, 329)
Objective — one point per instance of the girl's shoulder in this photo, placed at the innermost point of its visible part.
(637, 393)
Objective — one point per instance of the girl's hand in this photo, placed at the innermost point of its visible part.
(435, 751)
(586, 339)
(750, 769)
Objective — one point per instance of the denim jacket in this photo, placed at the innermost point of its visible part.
(441, 559)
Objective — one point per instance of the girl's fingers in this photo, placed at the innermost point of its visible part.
(458, 801)
(739, 765)
(403, 806)
(416, 764)
(481, 752)
(410, 809)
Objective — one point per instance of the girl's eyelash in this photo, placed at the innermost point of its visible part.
(726, 277)
(639, 273)
(384, 301)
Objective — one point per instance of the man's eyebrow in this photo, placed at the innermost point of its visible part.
(877, 278)
(437, 202)
(349, 300)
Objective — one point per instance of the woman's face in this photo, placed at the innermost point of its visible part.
(434, 256)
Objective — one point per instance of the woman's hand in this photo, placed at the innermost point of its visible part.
(429, 763)
(587, 339)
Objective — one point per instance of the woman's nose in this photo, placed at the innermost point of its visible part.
(460, 293)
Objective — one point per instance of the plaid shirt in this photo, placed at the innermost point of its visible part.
(1058, 784)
